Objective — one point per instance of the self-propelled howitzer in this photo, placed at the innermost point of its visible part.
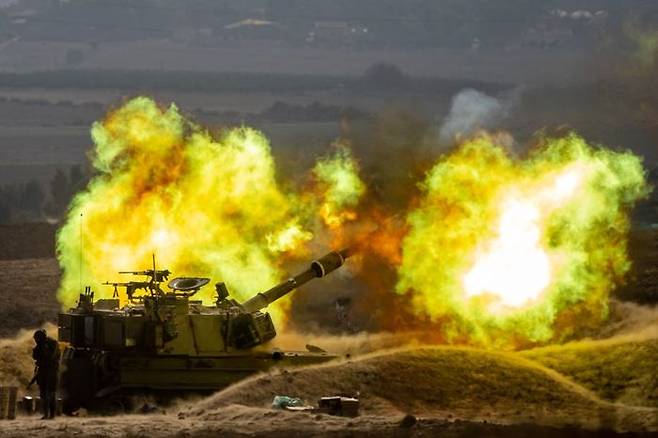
(164, 341)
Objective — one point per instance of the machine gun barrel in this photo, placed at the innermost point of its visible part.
(147, 272)
(319, 268)
(156, 274)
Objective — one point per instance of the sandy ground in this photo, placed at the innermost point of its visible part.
(240, 421)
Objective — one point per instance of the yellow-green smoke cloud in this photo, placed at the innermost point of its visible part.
(338, 178)
(503, 251)
(205, 206)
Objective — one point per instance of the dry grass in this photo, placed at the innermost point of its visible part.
(16, 364)
(442, 381)
(453, 390)
(621, 369)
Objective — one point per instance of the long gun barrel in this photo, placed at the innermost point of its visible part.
(319, 268)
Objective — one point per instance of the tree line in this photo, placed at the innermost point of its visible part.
(380, 76)
(32, 202)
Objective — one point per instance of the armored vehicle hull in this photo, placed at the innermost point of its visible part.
(105, 382)
(164, 342)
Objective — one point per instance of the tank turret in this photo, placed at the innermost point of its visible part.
(165, 340)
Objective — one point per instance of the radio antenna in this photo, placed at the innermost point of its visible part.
(156, 284)
(81, 252)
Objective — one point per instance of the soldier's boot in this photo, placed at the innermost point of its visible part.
(44, 408)
(51, 405)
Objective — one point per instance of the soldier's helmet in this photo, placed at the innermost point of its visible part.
(40, 335)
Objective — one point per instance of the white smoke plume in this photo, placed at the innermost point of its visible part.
(472, 111)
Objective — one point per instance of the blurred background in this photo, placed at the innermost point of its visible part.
(383, 74)
(399, 81)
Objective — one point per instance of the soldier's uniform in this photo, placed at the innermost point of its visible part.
(46, 355)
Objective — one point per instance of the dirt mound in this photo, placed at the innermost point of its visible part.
(442, 381)
(27, 241)
(620, 369)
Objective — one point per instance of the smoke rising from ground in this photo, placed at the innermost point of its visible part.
(472, 111)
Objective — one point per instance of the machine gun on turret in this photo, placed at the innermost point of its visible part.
(131, 287)
(157, 276)
(163, 339)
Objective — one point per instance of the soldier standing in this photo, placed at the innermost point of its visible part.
(46, 356)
